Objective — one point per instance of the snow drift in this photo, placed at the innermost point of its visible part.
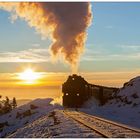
(123, 108)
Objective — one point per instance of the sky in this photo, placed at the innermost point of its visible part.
(111, 57)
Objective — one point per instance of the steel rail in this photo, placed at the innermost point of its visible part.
(103, 134)
(112, 122)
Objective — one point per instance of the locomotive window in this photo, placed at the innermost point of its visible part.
(77, 94)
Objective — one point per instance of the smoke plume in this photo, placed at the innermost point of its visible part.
(64, 22)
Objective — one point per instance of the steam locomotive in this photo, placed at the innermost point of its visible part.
(76, 91)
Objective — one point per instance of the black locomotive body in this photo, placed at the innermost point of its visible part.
(76, 91)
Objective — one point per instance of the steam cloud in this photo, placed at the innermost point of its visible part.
(64, 22)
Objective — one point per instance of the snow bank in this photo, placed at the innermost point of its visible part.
(123, 108)
(25, 114)
(130, 93)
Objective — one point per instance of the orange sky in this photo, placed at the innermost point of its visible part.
(56, 79)
(49, 85)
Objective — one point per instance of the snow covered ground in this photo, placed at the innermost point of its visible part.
(123, 108)
(22, 101)
(54, 125)
(36, 118)
(25, 114)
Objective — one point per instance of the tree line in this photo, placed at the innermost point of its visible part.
(6, 105)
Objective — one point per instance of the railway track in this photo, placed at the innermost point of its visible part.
(106, 128)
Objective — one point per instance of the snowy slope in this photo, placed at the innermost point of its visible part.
(25, 114)
(22, 101)
(123, 108)
(129, 94)
(54, 125)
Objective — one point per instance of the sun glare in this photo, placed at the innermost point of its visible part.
(29, 76)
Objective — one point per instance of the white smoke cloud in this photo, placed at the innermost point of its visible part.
(64, 22)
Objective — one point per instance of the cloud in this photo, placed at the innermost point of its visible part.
(42, 55)
(105, 55)
(35, 45)
(108, 57)
(30, 55)
(130, 47)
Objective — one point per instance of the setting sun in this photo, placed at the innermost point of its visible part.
(29, 76)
